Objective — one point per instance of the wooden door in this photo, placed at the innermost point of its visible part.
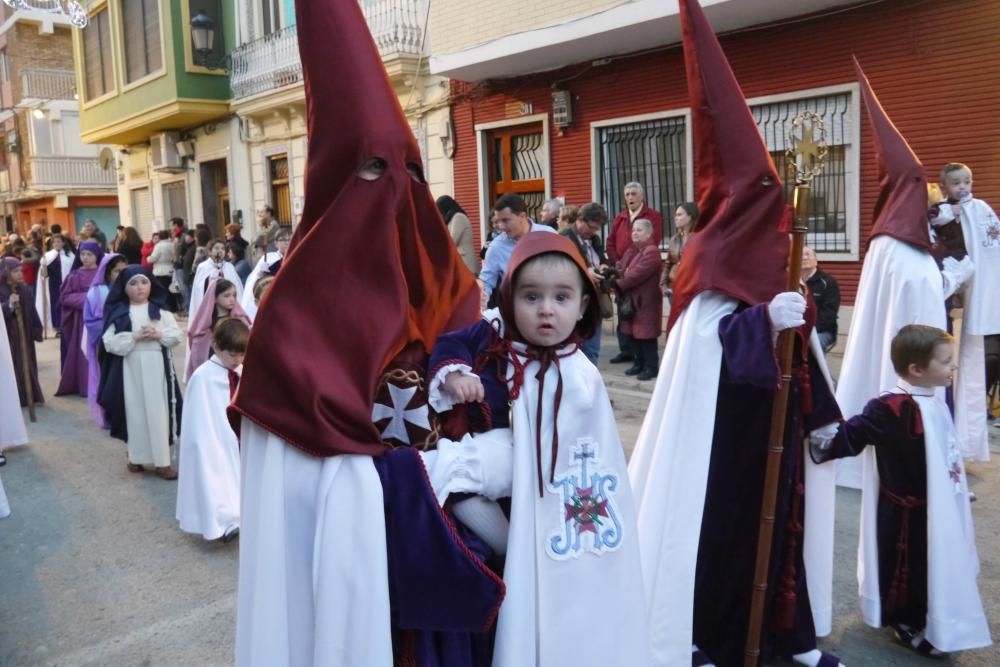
(517, 159)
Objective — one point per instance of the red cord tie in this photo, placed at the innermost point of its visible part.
(899, 589)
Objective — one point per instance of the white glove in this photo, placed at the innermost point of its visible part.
(954, 274)
(824, 435)
(786, 311)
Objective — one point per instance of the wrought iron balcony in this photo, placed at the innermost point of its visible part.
(68, 172)
(272, 61)
(47, 84)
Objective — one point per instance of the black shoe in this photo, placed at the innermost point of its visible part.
(231, 534)
(647, 375)
(621, 358)
(634, 370)
(3, 460)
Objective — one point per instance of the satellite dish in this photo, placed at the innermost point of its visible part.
(106, 158)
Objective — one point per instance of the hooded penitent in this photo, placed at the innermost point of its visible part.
(901, 209)
(316, 353)
(740, 247)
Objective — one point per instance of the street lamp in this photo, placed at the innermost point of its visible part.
(202, 35)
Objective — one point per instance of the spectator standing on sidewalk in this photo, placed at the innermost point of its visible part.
(620, 240)
(585, 233)
(639, 281)
(826, 293)
(514, 225)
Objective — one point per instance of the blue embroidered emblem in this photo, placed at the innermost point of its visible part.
(589, 514)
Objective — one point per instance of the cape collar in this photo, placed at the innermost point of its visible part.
(907, 388)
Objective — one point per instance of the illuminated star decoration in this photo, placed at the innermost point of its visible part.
(399, 415)
(586, 511)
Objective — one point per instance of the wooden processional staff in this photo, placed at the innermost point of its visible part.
(806, 155)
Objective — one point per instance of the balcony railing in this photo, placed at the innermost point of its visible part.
(69, 172)
(48, 84)
(273, 60)
(396, 25)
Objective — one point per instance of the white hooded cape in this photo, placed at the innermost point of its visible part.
(669, 473)
(574, 596)
(208, 486)
(955, 618)
(12, 430)
(900, 285)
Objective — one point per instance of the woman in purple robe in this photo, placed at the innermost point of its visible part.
(93, 319)
(72, 296)
(12, 283)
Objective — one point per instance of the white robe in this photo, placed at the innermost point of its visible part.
(208, 486)
(12, 430)
(313, 575)
(147, 401)
(557, 575)
(42, 288)
(669, 473)
(955, 617)
(900, 285)
(201, 275)
(248, 302)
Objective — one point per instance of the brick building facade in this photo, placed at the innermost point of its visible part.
(630, 119)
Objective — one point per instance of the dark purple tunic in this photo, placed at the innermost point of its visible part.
(728, 544)
(73, 295)
(893, 425)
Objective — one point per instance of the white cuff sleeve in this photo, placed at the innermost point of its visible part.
(437, 399)
(482, 464)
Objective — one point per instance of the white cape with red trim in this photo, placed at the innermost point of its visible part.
(669, 473)
(574, 585)
(900, 285)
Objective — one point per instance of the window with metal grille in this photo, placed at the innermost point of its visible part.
(97, 64)
(174, 201)
(833, 218)
(652, 153)
(141, 23)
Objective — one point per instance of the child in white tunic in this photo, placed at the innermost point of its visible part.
(572, 537)
(208, 491)
(917, 561)
(142, 387)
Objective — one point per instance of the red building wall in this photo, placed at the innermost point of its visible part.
(936, 72)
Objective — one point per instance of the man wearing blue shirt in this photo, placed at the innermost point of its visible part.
(514, 224)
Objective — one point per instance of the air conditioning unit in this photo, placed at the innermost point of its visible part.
(164, 152)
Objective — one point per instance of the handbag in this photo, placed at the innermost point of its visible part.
(607, 308)
(626, 307)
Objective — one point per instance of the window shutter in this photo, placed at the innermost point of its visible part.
(151, 29)
(97, 62)
(141, 21)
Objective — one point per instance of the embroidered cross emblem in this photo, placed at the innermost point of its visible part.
(398, 414)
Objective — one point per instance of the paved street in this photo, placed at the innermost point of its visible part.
(94, 571)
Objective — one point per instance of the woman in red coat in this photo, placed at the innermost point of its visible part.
(639, 279)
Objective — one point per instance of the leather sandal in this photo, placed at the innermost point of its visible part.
(166, 472)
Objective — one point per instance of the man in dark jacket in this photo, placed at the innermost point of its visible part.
(585, 235)
(826, 293)
(620, 240)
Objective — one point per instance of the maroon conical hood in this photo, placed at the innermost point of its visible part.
(349, 101)
(901, 209)
(740, 246)
(371, 270)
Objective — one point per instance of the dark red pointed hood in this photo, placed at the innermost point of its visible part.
(740, 245)
(901, 209)
(371, 269)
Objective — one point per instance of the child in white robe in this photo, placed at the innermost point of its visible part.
(980, 230)
(139, 392)
(208, 489)
(571, 543)
(917, 561)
